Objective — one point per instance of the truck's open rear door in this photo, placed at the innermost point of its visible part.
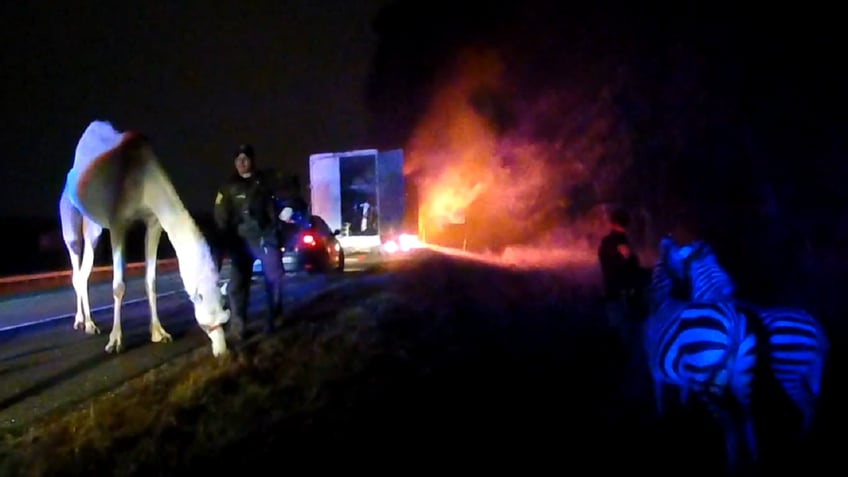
(391, 191)
(325, 188)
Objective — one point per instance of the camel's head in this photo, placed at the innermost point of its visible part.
(211, 315)
(200, 277)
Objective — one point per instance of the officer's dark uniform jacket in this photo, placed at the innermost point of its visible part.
(621, 275)
(244, 208)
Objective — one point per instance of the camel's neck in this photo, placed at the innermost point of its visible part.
(193, 255)
(198, 269)
(182, 231)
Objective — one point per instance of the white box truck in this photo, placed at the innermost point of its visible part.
(363, 194)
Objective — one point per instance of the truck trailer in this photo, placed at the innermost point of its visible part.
(363, 196)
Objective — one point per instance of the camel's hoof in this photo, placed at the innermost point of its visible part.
(161, 338)
(113, 347)
(92, 329)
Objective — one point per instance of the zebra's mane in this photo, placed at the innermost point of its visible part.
(659, 290)
(706, 275)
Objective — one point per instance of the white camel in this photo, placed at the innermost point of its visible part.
(115, 181)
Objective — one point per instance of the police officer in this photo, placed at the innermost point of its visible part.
(247, 222)
(622, 276)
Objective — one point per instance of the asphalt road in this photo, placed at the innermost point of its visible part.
(45, 364)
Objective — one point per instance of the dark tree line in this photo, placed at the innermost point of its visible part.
(717, 120)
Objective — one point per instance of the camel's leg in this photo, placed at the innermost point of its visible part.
(92, 233)
(74, 251)
(117, 236)
(71, 221)
(151, 245)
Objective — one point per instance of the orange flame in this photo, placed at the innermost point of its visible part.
(452, 148)
(458, 156)
(506, 186)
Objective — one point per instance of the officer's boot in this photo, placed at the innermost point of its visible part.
(274, 314)
(270, 325)
(235, 329)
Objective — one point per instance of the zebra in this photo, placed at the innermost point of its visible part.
(796, 343)
(697, 265)
(706, 349)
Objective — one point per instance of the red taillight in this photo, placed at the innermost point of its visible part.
(308, 239)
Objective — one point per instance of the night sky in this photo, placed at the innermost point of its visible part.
(288, 76)
(713, 101)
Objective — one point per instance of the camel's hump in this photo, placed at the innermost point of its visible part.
(98, 137)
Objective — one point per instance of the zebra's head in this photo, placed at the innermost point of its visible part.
(695, 267)
(675, 258)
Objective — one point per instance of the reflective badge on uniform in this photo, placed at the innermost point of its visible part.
(218, 198)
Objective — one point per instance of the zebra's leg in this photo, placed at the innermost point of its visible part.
(684, 396)
(797, 389)
(731, 441)
(658, 394)
(720, 409)
(750, 437)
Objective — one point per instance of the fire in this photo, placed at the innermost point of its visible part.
(458, 157)
(452, 150)
(508, 166)
(448, 196)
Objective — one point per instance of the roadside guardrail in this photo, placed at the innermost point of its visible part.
(49, 280)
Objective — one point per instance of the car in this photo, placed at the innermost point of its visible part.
(310, 247)
(314, 249)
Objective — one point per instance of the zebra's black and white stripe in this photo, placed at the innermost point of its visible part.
(796, 343)
(706, 349)
(708, 279)
(797, 348)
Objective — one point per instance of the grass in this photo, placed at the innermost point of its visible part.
(186, 411)
(439, 360)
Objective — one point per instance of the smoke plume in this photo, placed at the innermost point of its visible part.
(506, 166)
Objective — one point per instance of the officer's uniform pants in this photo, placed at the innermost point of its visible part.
(242, 257)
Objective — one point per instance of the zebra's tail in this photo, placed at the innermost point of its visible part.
(814, 377)
(811, 384)
(824, 349)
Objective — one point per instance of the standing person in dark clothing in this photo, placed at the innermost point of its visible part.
(622, 276)
(247, 221)
(293, 210)
(291, 206)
